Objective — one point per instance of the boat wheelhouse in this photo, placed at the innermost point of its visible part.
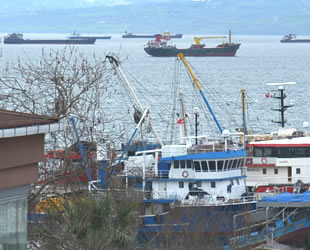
(278, 163)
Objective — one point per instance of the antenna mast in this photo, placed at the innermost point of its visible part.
(281, 97)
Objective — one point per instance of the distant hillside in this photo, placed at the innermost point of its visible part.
(276, 17)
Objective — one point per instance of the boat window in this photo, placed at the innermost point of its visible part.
(198, 183)
(189, 164)
(299, 152)
(297, 170)
(182, 164)
(275, 171)
(242, 163)
(220, 165)
(213, 184)
(230, 164)
(283, 152)
(234, 165)
(181, 184)
(197, 166)
(239, 165)
(258, 152)
(226, 164)
(212, 166)
(264, 171)
(176, 164)
(204, 166)
(237, 180)
(229, 188)
(267, 152)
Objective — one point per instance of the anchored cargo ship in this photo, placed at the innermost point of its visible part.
(291, 38)
(16, 38)
(131, 35)
(160, 48)
(78, 36)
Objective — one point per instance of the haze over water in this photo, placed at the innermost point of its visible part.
(260, 59)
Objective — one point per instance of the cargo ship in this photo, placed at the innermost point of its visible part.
(160, 48)
(131, 35)
(16, 38)
(291, 38)
(78, 36)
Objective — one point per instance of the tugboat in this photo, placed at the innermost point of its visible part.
(291, 38)
(196, 49)
(17, 38)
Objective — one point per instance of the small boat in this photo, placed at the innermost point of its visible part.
(291, 38)
(78, 36)
(132, 35)
(162, 49)
(286, 222)
(17, 38)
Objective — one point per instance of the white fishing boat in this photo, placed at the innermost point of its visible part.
(280, 160)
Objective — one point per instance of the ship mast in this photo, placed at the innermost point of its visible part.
(180, 56)
(281, 97)
(243, 115)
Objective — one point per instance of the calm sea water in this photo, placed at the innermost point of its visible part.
(260, 59)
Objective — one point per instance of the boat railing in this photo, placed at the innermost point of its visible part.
(209, 201)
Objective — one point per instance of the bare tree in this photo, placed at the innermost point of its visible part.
(61, 84)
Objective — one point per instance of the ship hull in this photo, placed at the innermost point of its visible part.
(296, 41)
(150, 36)
(90, 37)
(49, 41)
(173, 51)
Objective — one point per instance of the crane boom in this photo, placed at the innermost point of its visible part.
(137, 103)
(198, 39)
(180, 56)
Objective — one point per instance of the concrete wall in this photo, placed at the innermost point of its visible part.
(19, 159)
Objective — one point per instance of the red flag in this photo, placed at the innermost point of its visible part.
(181, 121)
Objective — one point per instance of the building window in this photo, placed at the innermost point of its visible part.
(264, 171)
(213, 184)
(181, 184)
(297, 170)
(275, 171)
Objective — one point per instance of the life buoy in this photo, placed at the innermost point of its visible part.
(249, 160)
(185, 174)
(264, 160)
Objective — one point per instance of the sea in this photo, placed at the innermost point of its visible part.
(260, 60)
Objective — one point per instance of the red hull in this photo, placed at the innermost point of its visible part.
(294, 237)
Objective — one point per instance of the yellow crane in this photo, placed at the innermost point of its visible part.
(198, 39)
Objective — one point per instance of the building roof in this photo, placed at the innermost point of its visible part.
(13, 124)
(12, 119)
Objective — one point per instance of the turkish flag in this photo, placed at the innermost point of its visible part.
(181, 121)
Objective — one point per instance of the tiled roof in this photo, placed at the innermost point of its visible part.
(12, 119)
